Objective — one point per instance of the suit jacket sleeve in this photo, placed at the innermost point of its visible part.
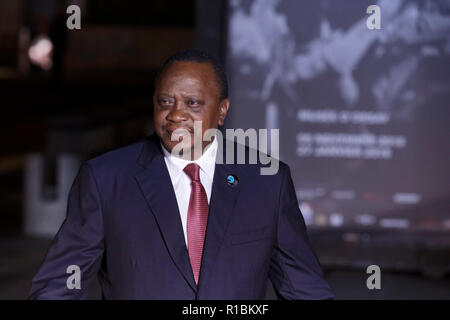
(295, 271)
(79, 242)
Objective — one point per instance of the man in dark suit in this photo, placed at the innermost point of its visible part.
(157, 225)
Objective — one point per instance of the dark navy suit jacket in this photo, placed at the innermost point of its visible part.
(123, 225)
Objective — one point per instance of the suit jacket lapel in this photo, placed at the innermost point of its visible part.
(158, 191)
(221, 208)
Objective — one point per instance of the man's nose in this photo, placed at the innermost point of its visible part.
(177, 114)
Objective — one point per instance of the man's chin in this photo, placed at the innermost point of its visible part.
(177, 147)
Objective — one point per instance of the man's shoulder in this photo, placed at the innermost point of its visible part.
(118, 159)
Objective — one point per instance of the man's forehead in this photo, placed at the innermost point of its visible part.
(189, 74)
(188, 69)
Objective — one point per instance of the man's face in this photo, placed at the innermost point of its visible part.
(187, 92)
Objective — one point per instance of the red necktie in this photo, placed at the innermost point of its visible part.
(196, 219)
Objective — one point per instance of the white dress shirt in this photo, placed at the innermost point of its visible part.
(182, 183)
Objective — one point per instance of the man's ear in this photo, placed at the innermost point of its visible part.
(223, 109)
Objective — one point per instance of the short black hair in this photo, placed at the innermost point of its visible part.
(201, 56)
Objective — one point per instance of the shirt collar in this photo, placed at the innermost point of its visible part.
(207, 160)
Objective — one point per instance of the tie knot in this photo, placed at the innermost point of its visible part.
(193, 171)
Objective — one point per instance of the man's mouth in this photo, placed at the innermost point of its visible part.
(177, 133)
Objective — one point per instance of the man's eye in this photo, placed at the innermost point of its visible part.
(164, 101)
(193, 103)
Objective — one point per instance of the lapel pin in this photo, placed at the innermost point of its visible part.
(232, 180)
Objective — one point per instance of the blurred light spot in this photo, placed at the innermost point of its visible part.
(365, 219)
(394, 223)
(336, 219)
(307, 212)
(321, 219)
(41, 52)
(406, 198)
